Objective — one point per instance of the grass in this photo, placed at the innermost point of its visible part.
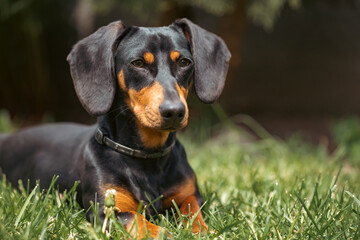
(267, 189)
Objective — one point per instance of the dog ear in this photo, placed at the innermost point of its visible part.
(92, 68)
(211, 57)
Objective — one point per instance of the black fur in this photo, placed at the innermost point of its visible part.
(92, 68)
(70, 150)
(211, 58)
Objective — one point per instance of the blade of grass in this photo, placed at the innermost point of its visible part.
(24, 206)
(308, 212)
(293, 225)
(353, 197)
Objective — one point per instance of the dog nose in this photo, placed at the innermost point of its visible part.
(172, 112)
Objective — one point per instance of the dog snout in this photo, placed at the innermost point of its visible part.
(172, 113)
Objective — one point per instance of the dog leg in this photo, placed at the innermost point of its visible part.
(139, 227)
(191, 207)
(125, 208)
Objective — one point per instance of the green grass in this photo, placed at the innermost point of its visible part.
(266, 189)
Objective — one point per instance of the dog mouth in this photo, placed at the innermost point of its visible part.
(170, 129)
(155, 122)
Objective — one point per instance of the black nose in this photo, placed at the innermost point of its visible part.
(172, 112)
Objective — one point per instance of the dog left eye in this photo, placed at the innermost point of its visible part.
(184, 62)
(138, 63)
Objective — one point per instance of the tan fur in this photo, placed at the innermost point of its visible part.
(124, 201)
(174, 55)
(139, 227)
(180, 192)
(121, 80)
(183, 195)
(187, 36)
(152, 138)
(190, 207)
(149, 57)
(145, 105)
(183, 92)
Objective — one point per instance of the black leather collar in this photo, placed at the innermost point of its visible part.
(103, 139)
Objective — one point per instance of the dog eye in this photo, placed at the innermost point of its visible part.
(138, 63)
(184, 62)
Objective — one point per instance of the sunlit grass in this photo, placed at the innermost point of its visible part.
(274, 190)
(265, 189)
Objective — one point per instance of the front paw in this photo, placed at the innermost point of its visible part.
(145, 229)
(200, 227)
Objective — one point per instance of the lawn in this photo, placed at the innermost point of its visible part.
(266, 189)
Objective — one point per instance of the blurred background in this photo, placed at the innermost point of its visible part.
(295, 64)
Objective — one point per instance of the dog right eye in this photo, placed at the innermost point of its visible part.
(138, 63)
(184, 62)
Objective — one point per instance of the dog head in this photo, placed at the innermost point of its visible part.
(154, 68)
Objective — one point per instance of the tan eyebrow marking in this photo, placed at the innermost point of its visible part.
(174, 55)
(149, 57)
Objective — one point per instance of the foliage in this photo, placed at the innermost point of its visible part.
(266, 189)
(6, 125)
(216, 7)
(9, 8)
(141, 7)
(346, 134)
(261, 12)
(266, 12)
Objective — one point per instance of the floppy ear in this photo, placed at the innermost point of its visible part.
(92, 68)
(211, 57)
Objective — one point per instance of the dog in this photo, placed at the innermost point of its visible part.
(136, 81)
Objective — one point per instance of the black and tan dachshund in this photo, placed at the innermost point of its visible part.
(136, 81)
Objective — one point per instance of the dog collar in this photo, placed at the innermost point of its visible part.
(103, 139)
